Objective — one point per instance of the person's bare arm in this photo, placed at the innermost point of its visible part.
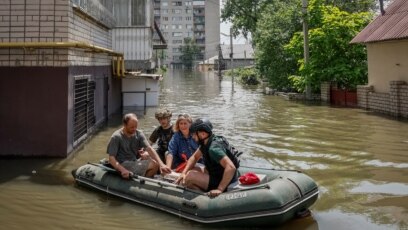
(169, 160)
(115, 164)
(190, 164)
(229, 171)
(153, 154)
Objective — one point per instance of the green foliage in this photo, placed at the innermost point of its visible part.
(298, 83)
(277, 24)
(332, 58)
(247, 76)
(353, 6)
(243, 14)
(189, 52)
(276, 31)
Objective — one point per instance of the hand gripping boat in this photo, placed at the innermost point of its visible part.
(279, 196)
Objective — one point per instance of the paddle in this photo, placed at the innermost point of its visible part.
(142, 179)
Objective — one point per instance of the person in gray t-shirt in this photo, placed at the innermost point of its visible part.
(129, 151)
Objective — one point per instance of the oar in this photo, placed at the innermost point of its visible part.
(142, 179)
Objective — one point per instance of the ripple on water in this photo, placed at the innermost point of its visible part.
(397, 189)
(336, 220)
(379, 163)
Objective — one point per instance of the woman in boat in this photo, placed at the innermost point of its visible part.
(163, 133)
(220, 163)
(181, 146)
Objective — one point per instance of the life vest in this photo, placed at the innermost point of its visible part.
(215, 168)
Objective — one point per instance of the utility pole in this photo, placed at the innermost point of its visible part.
(219, 59)
(232, 60)
(306, 46)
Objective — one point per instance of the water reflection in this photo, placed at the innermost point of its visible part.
(359, 161)
(397, 189)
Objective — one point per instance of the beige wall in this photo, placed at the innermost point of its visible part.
(387, 61)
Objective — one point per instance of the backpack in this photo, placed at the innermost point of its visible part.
(232, 152)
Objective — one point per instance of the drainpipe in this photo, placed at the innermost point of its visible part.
(120, 70)
(382, 7)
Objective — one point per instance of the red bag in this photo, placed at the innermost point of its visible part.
(249, 178)
(181, 166)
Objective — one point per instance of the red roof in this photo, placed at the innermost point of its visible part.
(392, 25)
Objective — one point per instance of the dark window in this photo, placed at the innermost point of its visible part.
(84, 107)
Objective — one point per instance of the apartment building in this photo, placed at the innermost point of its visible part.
(196, 19)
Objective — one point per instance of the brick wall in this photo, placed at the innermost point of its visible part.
(325, 91)
(51, 21)
(394, 103)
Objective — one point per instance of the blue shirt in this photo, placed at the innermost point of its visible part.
(178, 145)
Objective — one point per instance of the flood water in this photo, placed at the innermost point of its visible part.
(359, 160)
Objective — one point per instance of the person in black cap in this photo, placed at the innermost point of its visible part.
(220, 162)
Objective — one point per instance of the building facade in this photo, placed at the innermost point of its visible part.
(386, 40)
(61, 69)
(196, 19)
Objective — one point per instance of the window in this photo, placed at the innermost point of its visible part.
(188, 11)
(165, 19)
(130, 12)
(84, 107)
(176, 11)
(189, 26)
(198, 11)
(177, 42)
(165, 3)
(177, 19)
(199, 27)
(177, 34)
(176, 26)
(177, 3)
(166, 11)
(188, 18)
(138, 12)
(198, 3)
(188, 3)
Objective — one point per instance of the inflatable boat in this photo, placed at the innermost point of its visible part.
(280, 195)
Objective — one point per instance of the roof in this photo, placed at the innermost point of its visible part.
(241, 51)
(210, 61)
(139, 74)
(392, 25)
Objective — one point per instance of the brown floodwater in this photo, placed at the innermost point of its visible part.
(359, 160)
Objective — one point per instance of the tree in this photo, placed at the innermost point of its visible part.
(189, 52)
(244, 15)
(332, 58)
(353, 6)
(276, 26)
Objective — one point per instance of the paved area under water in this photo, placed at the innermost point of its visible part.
(359, 160)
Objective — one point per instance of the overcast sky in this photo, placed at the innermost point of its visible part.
(225, 29)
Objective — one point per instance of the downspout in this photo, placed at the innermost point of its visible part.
(382, 7)
(120, 70)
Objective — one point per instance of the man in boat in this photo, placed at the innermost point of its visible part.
(163, 133)
(130, 152)
(220, 164)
